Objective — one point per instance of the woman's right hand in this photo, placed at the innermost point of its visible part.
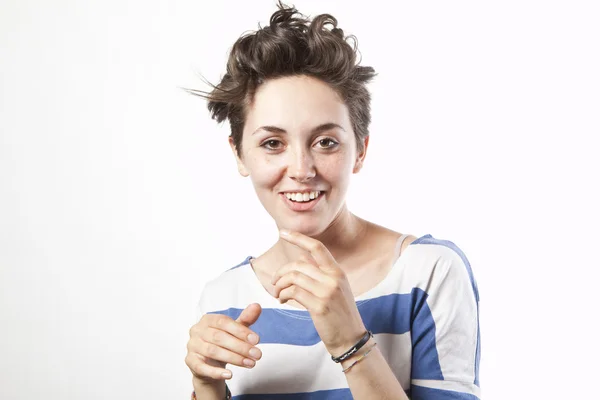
(217, 340)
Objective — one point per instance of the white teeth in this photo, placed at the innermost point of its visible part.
(302, 197)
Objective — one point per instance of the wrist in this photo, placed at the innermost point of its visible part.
(350, 360)
(357, 342)
(209, 389)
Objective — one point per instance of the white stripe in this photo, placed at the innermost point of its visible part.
(412, 270)
(293, 369)
(461, 387)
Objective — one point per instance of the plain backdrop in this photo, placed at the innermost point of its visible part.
(120, 198)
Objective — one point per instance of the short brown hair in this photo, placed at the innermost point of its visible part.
(291, 45)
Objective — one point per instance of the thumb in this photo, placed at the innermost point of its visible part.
(250, 314)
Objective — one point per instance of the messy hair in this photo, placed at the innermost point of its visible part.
(291, 45)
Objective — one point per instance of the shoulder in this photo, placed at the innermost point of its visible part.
(221, 292)
(440, 259)
(431, 247)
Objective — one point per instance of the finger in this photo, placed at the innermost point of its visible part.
(299, 279)
(316, 249)
(236, 350)
(303, 297)
(246, 358)
(305, 267)
(235, 328)
(200, 369)
(250, 314)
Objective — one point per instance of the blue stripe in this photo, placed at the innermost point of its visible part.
(334, 394)
(246, 261)
(394, 314)
(477, 350)
(424, 393)
(425, 358)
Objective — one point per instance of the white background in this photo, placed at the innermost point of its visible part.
(119, 196)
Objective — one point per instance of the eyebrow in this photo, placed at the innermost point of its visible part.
(321, 128)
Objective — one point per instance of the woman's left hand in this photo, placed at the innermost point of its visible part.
(321, 286)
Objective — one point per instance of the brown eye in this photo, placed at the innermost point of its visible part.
(272, 144)
(327, 143)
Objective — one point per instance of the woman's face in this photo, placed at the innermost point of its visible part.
(299, 149)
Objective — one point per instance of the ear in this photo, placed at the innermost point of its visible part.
(240, 164)
(360, 157)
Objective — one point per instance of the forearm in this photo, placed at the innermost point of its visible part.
(372, 378)
(209, 391)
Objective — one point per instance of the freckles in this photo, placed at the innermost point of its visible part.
(335, 167)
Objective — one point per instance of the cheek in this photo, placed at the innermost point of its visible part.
(336, 169)
(264, 172)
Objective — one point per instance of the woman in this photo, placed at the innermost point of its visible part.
(339, 307)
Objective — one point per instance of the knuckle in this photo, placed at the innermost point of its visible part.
(330, 294)
(194, 330)
(322, 309)
(194, 364)
(221, 322)
(217, 337)
(338, 280)
(211, 350)
(188, 360)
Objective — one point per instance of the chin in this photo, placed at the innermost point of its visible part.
(305, 228)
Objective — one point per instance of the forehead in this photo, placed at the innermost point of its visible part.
(296, 103)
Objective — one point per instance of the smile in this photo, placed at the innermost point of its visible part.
(302, 201)
(302, 197)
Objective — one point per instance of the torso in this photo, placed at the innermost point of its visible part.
(364, 269)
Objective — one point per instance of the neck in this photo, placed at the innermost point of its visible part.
(341, 238)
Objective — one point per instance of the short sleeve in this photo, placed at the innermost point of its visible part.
(445, 331)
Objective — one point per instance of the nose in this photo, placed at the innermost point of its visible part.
(301, 166)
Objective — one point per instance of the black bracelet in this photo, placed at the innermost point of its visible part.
(355, 348)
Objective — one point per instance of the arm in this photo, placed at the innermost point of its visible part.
(214, 391)
(372, 377)
(445, 341)
(445, 331)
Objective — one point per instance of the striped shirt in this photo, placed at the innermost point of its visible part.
(424, 316)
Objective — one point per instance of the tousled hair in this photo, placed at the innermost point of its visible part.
(291, 45)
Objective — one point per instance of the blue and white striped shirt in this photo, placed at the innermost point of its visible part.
(424, 316)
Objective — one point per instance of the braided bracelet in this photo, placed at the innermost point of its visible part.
(354, 348)
(359, 359)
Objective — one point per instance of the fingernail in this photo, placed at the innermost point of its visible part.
(254, 353)
(226, 374)
(284, 232)
(249, 363)
(252, 338)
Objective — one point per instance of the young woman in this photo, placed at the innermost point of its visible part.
(338, 307)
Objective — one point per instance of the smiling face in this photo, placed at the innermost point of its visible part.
(299, 149)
